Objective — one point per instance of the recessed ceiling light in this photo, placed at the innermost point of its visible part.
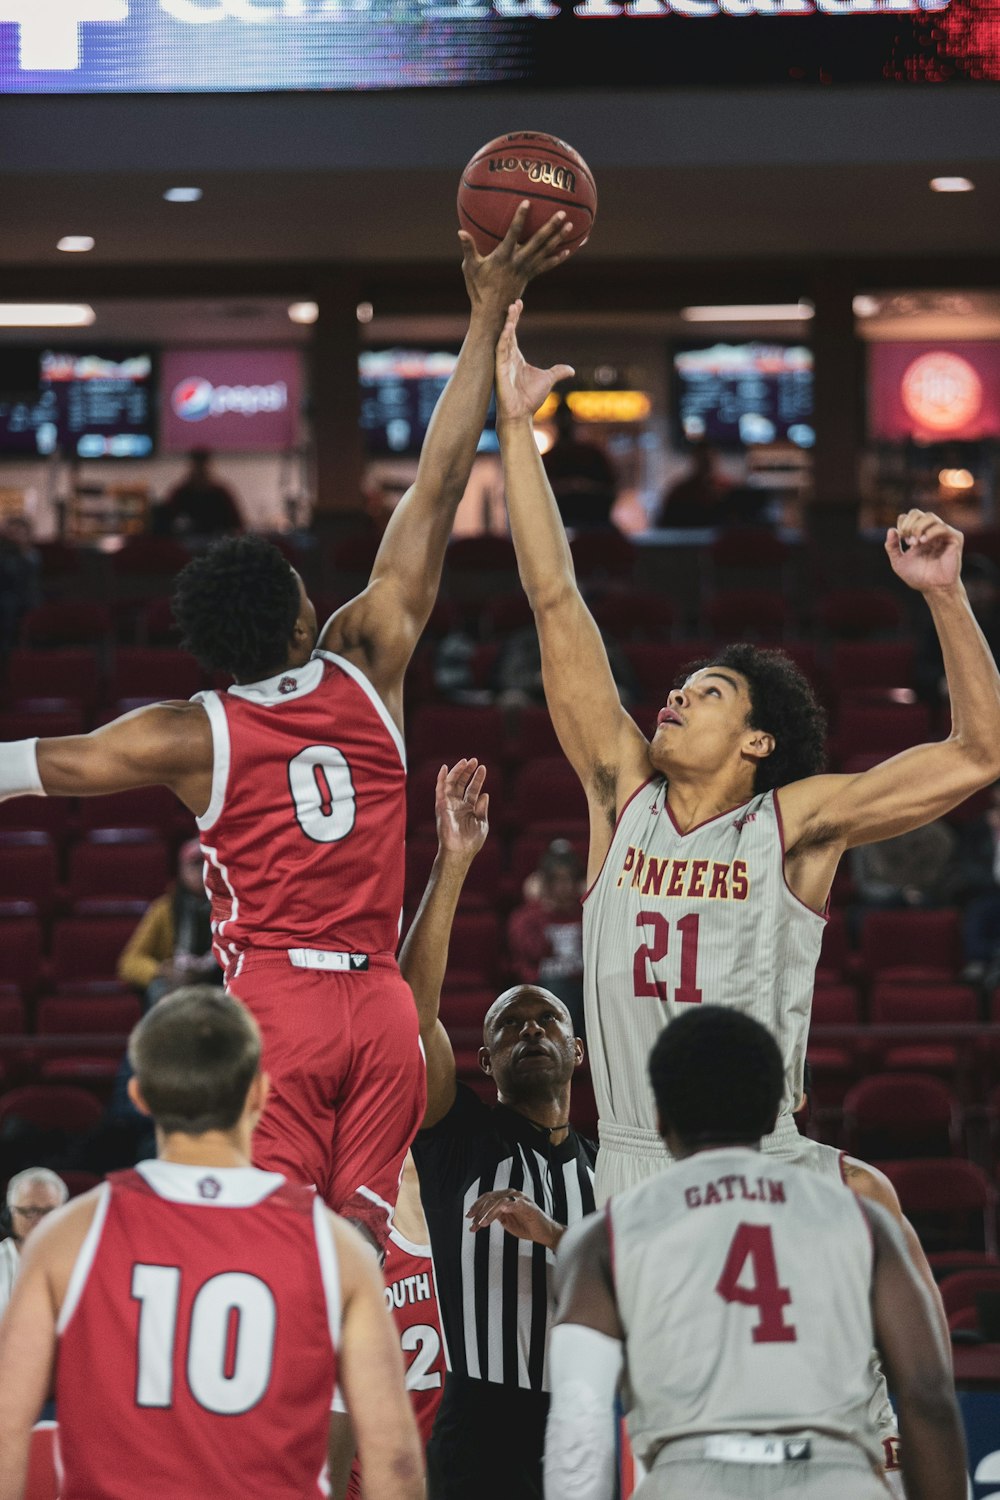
(865, 306)
(46, 315)
(304, 312)
(183, 195)
(76, 244)
(952, 185)
(365, 312)
(765, 312)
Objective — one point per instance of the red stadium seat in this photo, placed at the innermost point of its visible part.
(834, 958)
(150, 557)
(952, 1204)
(462, 1015)
(28, 869)
(70, 673)
(747, 614)
(531, 735)
(603, 553)
(420, 785)
(448, 732)
(927, 1005)
(89, 948)
(26, 722)
(156, 673)
(79, 1182)
(20, 951)
(871, 664)
(882, 730)
(12, 1018)
(137, 871)
(482, 883)
(854, 613)
(922, 945)
(506, 614)
(157, 626)
(67, 623)
(115, 1015)
(151, 807)
(51, 1107)
(474, 951)
(897, 1115)
(48, 815)
(960, 1291)
(658, 667)
(632, 615)
(833, 1005)
(546, 793)
(748, 547)
(481, 554)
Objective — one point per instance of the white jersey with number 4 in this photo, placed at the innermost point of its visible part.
(744, 1289)
(677, 919)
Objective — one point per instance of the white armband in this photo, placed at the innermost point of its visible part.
(580, 1438)
(19, 770)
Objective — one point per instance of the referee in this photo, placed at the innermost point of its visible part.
(499, 1186)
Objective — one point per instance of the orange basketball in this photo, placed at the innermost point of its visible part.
(526, 164)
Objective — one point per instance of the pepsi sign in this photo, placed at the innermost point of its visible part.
(230, 400)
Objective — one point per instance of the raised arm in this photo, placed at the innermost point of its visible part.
(824, 815)
(601, 742)
(166, 744)
(462, 811)
(381, 627)
(370, 1373)
(932, 1446)
(585, 1364)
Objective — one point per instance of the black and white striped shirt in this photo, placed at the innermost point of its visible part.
(495, 1291)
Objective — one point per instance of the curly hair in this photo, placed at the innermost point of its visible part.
(236, 605)
(782, 704)
(717, 1075)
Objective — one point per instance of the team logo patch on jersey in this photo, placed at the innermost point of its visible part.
(741, 823)
(287, 685)
(209, 1187)
(798, 1448)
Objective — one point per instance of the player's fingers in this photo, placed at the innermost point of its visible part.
(475, 784)
(511, 239)
(542, 241)
(469, 252)
(483, 808)
(561, 372)
(892, 542)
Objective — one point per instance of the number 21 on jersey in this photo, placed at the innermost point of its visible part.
(658, 945)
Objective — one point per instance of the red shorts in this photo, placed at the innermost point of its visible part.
(348, 1082)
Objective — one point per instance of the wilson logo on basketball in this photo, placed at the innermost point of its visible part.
(546, 172)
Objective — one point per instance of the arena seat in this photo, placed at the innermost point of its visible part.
(481, 885)
(447, 732)
(25, 722)
(51, 1107)
(13, 1021)
(150, 557)
(870, 664)
(67, 623)
(927, 1005)
(634, 615)
(951, 1203)
(156, 625)
(853, 613)
(152, 672)
(920, 945)
(602, 552)
(62, 1016)
(28, 869)
(70, 673)
(658, 666)
(835, 956)
(420, 784)
(88, 947)
(49, 815)
(546, 794)
(21, 951)
(151, 807)
(742, 614)
(506, 614)
(900, 1116)
(960, 1291)
(99, 869)
(530, 735)
(79, 1182)
(880, 729)
(462, 1015)
(474, 951)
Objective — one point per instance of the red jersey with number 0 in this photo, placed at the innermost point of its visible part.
(304, 835)
(197, 1350)
(411, 1297)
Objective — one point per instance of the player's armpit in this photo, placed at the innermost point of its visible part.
(932, 1445)
(906, 792)
(370, 1372)
(166, 744)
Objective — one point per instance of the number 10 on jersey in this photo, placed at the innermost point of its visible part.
(681, 944)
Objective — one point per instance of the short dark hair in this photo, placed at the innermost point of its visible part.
(195, 1055)
(236, 605)
(717, 1076)
(782, 704)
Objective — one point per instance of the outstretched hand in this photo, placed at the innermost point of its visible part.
(521, 388)
(461, 808)
(933, 551)
(496, 279)
(517, 1214)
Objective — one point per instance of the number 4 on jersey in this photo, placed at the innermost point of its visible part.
(752, 1243)
(657, 948)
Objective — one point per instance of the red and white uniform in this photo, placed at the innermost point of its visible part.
(411, 1297)
(304, 864)
(198, 1339)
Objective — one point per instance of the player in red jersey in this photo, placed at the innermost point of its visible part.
(296, 776)
(198, 1311)
(411, 1297)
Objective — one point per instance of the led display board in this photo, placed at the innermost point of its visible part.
(736, 395)
(89, 403)
(185, 46)
(934, 392)
(230, 400)
(399, 391)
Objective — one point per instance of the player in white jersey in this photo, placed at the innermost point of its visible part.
(735, 1301)
(707, 883)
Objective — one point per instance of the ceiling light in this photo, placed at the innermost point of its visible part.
(182, 195)
(951, 185)
(865, 307)
(76, 244)
(304, 312)
(956, 479)
(46, 315)
(765, 312)
(365, 312)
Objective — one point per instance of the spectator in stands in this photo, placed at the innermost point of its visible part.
(31, 1195)
(982, 584)
(582, 476)
(172, 944)
(517, 675)
(20, 567)
(200, 505)
(545, 935)
(696, 500)
(915, 869)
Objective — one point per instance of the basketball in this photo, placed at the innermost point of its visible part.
(526, 164)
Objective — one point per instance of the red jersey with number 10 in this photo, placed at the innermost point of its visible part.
(197, 1349)
(304, 836)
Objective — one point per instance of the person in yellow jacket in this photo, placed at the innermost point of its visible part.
(172, 944)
